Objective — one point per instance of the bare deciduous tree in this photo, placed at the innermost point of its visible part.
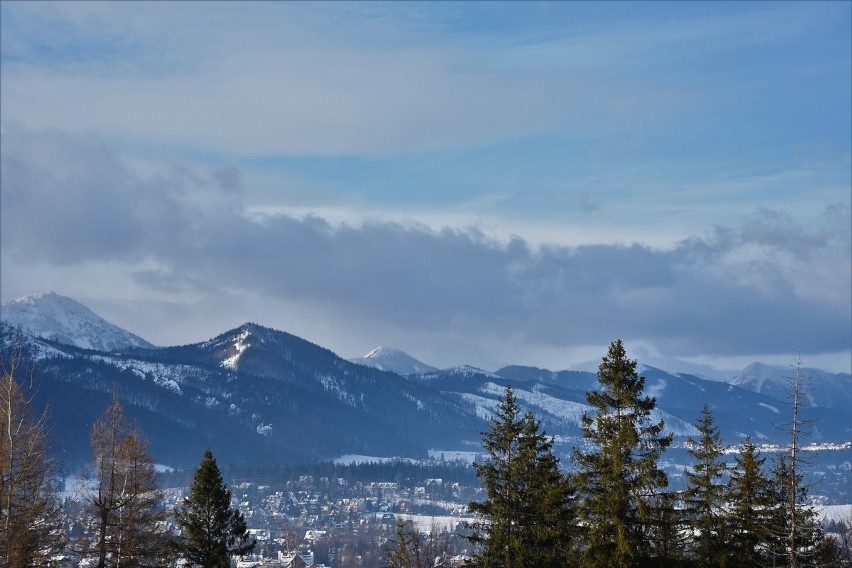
(410, 549)
(30, 523)
(126, 513)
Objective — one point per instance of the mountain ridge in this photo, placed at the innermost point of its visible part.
(254, 394)
(62, 319)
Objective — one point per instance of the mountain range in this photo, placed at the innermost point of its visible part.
(256, 395)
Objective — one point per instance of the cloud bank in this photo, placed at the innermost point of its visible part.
(772, 285)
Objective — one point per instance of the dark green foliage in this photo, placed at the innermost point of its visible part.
(528, 511)
(750, 510)
(704, 497)
(212, 532)
(791, 521)
(549, 515)
(668, 537)
(619, 480)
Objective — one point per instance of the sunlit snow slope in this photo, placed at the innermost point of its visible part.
(58, 318)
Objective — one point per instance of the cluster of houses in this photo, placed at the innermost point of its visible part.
(316, 522)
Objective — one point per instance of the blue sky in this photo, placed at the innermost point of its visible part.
(483, 183)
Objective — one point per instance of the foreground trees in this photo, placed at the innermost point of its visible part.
(800, 540)
(797, 538)
(212, 531)
(528, 513)
(615, 509)
(619, 479)
(750, 512)
(704, 497)
(30, 525)
(126, 513)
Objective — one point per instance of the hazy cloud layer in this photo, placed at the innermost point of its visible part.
(482, 183)
(772, 285)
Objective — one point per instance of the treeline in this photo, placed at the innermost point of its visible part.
(121, 516)
(615, 509)
(404, 472)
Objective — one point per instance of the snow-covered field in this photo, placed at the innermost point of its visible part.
(355, 459)
(427, 523)
(835, 513)
(453, 455)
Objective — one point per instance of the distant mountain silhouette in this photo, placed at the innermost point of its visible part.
(256, 395)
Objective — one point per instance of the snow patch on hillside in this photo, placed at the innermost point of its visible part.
(471, 371)
(37, 349)
(240, 345)
(569, 411)
(674, 424)
(656, 389)
(330, 384)
(484, 408)
(168, 377)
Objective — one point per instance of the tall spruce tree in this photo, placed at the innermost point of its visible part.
(619, 480)
(528, 511)
(212, 531)
(704, 496)
(750, 510)
(549, 518)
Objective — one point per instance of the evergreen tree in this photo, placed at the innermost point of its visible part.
(619, 480)
(549, 517)
(30, 522)
(667, 531)
(528, 513)
(704, 496)
(799, 545)
(212, 531)
(750, 512)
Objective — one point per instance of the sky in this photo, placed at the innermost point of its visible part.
(471, 182)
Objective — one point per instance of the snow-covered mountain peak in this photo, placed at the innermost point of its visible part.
(819, 387)
(59, 318)
(394, 360)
